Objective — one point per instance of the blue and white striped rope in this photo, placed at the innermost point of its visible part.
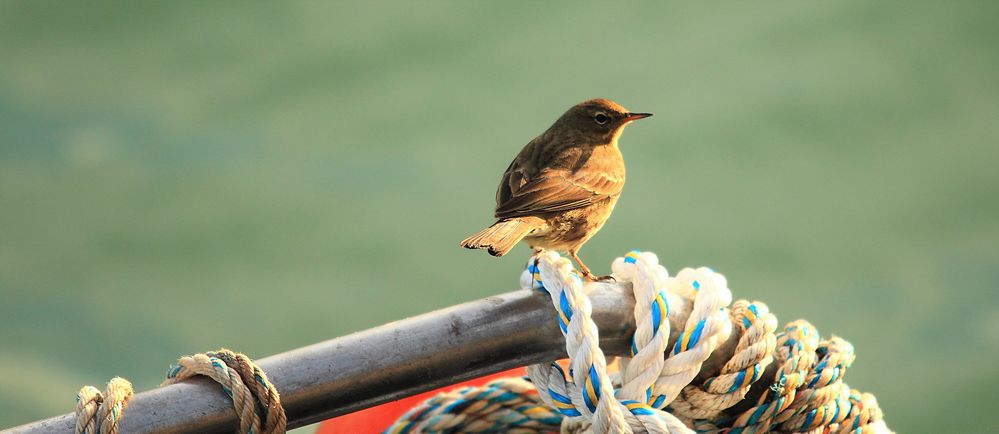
(590, 394)
(503, 405)
(805, 395)
(588, 366)
(822, 401)
(706, 325)
(652, 309)
(795, 351)
(754, 352)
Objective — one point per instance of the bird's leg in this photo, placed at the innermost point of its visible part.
(537, 256)
(586, 270)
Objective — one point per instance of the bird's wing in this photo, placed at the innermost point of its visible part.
(513, 178)
(558, 190)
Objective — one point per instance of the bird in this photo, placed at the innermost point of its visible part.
(562, 186)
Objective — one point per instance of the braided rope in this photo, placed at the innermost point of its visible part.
(804, 394)
(266, 396)
(88, 400)
(498, 406)
(240, 378)
(795, 352)
(823, 400)
(707, 324)
(577, 396)
(100, 413)
(754, 352)
(232, 384)
(652, 308)
(236, 373)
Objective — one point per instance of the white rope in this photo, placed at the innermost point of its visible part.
(592, 395)
(652, 308)
(666, 386)
(649, 382)
(707, 324)
(705, 402)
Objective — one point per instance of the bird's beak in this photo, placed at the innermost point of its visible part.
(636, 116)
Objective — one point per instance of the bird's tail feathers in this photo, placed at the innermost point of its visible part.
(499, 238)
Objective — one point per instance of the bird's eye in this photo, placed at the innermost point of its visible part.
(600, 118)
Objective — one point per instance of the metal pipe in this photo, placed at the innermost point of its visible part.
(382, 364)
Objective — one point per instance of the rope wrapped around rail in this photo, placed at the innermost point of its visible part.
(99, 413)
(255, 399)
(789, 381)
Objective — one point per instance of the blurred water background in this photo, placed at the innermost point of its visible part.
(180, 176)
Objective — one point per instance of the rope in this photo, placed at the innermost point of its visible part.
(100, 413)
(266, 396)
(254, 397)
(726, 370)
(635, 412)
(245, 383)
(707, 401)
(506, 402)
(703, 376)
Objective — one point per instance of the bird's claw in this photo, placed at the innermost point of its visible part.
(591, 278)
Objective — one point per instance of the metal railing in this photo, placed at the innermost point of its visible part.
(382, 364)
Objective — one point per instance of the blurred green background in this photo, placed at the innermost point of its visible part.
(179, 176)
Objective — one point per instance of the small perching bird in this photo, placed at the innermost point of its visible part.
(561, 188)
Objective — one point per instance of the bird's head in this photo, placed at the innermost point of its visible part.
(598, 120)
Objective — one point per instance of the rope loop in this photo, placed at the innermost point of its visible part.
(701, 376)
(707, 401)
(587, 385)
(98, 413)
(257, 402)
(266, 396)
(506, 402)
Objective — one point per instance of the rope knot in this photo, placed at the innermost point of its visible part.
(254, 397)
(98, 413)
(257, 402)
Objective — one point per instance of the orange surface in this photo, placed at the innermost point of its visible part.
(377, 419)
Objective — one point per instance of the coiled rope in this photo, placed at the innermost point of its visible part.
(759, 380)
(503, 404)
(255, 399)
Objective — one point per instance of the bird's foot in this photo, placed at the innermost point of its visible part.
(607, 278)
(590, 277)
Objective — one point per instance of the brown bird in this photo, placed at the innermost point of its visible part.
(563, 185)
